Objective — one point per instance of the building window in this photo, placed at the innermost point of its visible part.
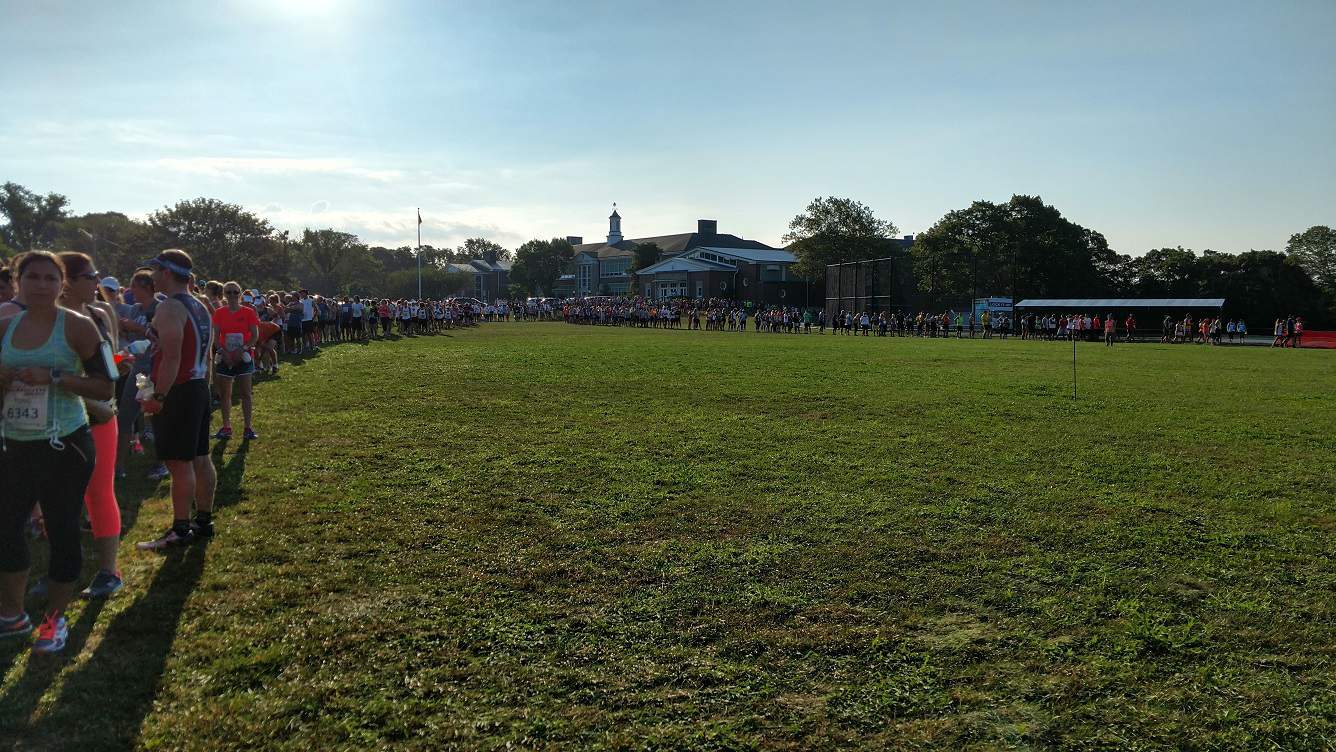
(700, 289)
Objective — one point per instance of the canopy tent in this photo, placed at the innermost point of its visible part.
(1123, 304)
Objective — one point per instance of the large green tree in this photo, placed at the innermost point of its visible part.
(1315, 250)
(835, 230)
(226, 241)
(538, 264)
(30, 219)
(332, 261)
(116, 242)
(474, 248)
(1022, 248)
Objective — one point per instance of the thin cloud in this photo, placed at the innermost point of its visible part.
(236, 168)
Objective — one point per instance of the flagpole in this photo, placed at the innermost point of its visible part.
(419, 253)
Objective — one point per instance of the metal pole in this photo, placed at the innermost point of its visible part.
(419, 253)
(1073, 336)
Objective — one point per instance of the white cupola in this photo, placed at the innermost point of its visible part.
(614, 226)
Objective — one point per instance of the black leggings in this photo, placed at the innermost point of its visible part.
(35, 472)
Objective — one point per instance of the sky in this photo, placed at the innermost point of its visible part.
(1201, 124)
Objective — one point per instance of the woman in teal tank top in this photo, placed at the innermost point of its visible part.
(50, 358)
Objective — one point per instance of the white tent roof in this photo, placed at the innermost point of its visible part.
(1121, 303)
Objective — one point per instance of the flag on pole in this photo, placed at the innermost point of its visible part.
(419, 216)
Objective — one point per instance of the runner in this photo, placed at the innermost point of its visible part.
(81, 290)
(181, 413)
(237, 331)
(47, 450)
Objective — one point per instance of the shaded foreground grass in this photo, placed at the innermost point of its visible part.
(568, 537)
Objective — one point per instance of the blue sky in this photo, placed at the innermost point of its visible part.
(1208, 124)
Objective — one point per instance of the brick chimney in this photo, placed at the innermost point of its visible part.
(707, 228)
(575, 240)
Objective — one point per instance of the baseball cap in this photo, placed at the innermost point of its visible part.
(111, 283)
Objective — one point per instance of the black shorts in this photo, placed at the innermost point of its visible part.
(181, 428)
(308, 326)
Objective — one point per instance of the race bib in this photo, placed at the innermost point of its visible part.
(234, 341)
(26, 406)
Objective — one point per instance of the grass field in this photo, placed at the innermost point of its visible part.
(566, 537)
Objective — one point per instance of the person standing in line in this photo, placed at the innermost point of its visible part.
(237, 329)
(51, 358)
(1110, 330)
(181, 413)
(104, 514)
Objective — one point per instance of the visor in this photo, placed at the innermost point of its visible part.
(157, 262)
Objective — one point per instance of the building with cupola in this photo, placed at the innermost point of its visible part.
(701, 264)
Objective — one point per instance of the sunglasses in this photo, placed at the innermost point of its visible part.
(94, 276)
(232, 294)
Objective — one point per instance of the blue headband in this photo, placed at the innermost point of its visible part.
(159, 262)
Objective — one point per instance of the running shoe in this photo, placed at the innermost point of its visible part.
(104, 585)
(148, 434)
(224, 433)
(15, 626)
(158, 472)
(250, 435)
(202, 530)
(136, 446)
(169, 539)
(51, 636)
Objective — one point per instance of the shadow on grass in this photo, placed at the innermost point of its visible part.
(103, 702)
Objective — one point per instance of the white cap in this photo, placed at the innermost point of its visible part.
(111, 283)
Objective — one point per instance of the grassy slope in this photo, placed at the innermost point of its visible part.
(552, 535)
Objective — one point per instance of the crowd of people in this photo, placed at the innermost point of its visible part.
(728, 315)
(93, 370)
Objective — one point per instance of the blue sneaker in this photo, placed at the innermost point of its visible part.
(158, 472)
(104, 585)
(15, 626)
(51, 636)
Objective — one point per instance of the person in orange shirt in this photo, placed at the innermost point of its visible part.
(238, 332)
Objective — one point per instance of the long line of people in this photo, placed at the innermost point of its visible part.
(713, 314)
(92, 371)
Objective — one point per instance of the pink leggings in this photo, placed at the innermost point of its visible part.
(100, 496)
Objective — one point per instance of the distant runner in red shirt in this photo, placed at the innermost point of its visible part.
(237, 329)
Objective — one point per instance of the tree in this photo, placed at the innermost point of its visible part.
(1315, 250)
(31, 218)
(832, 231)
(474, 248)
(1021, 248)
(116, 242)
(332, 261)
(436, 284)
(538, 264)
(225, 241)
(647, 255)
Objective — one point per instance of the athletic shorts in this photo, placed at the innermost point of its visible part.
(308, 326)
(242, 368)
(181, 428)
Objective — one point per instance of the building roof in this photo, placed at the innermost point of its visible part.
(670, 245)
(685, 264)
(757, 255)
(1121, 303)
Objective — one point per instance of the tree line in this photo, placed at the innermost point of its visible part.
(228, 242)
(1022, 248)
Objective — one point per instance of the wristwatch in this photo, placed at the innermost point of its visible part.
(159, 397)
